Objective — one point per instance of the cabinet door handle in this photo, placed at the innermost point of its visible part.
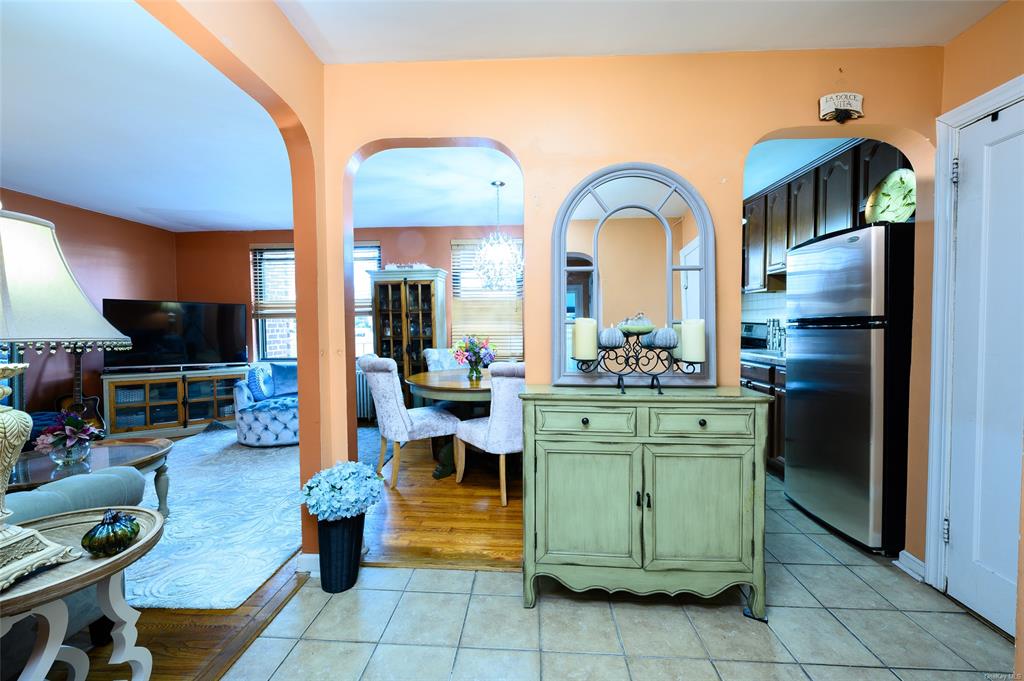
(703, 423)
(648, 500)
(638, 504)
(585, 421)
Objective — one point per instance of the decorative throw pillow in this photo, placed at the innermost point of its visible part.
(260, 383)
(286, 378)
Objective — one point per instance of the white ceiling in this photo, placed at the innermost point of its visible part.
(436, 187)
(771, 161)
(102, 107)
(351, 31)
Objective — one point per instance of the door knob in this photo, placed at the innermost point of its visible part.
(585, 421)
(702, 423)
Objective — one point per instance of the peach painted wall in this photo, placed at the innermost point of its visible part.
(214, 267)
(110, 258)
(430, 245)
(987, 54)
(689, 113)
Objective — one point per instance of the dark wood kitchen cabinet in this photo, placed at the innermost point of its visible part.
(770, 379)
(835, 193)
(777, 226)
(802, 208)
(875, 160)
(777, 458)
(758, 377)
(754, 278)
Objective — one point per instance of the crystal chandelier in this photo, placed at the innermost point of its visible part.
(499, 261)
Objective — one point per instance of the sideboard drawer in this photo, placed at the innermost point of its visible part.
(553, 420)
(732, 422)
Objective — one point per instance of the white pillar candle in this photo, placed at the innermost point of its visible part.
(677, 351)
(584, 339)
(693, 341)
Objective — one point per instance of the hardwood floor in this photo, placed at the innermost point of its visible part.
(428, 522)
(200, 644)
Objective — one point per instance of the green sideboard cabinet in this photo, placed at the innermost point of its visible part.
(645, 493)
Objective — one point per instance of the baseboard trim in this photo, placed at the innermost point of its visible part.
(309, 562)
(912, 565)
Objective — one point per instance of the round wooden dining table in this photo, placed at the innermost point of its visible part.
(452, 385)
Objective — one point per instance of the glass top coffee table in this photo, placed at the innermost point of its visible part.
(36, 468)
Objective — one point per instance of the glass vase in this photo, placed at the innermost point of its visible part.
(475, 372)
(69, 456)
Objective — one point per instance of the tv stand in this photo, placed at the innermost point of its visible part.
(169, 402)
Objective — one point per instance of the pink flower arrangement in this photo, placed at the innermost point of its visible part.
(69, 430)
(474, 352)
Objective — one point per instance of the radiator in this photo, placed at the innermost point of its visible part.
(364, 400)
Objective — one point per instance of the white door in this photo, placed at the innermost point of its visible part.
(988, 368)
(689, 283)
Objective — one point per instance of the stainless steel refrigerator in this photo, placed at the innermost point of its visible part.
(849, 300)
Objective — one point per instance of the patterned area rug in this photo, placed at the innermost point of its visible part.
(234, 521)
(369, 446)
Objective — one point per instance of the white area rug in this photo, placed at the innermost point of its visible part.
(234, 521)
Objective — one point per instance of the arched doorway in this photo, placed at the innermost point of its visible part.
(821, 194)
(419, 211)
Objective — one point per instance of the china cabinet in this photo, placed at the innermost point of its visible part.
(409, 315)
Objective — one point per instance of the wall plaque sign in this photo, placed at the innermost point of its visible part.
(841, 106)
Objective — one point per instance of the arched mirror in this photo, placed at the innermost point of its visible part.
(633, 238)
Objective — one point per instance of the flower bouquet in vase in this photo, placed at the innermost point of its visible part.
(474, 352)
(339, 497)
(69, 440)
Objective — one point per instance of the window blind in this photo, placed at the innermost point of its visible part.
(273, 282)
(366, 257)
(478, 311)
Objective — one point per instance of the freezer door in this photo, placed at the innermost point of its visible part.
(841, 276)
(834, 379)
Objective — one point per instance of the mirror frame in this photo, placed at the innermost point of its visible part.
(708, 376)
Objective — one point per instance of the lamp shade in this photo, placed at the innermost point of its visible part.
(42, 307)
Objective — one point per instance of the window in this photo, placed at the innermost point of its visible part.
(365, 259)
(273, 302)
(478, 311)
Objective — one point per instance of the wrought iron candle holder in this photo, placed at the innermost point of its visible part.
(633, 358)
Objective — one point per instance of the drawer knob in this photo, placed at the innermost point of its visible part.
(702, 423)
(585, 421)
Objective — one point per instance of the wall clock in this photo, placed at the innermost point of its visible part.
(894, 199)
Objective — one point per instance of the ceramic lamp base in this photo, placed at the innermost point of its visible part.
(21, 550)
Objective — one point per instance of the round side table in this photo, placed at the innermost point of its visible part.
(40, 595)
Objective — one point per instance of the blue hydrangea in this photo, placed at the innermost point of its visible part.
(343, 491)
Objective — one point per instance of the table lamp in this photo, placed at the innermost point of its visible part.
(42, 309)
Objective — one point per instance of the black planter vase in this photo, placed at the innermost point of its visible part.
(341, 546)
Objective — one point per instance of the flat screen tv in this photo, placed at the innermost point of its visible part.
(174, 333)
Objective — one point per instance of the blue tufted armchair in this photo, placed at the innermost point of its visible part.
(267, 406)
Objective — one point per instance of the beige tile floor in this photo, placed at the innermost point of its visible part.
(835, 614)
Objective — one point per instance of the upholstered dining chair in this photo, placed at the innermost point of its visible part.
(440, 359)
(398, 424)
(501, 433)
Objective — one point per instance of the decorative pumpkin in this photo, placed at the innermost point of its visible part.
(665, 338)
(113, 535)
(637, 325)
(610, 338)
